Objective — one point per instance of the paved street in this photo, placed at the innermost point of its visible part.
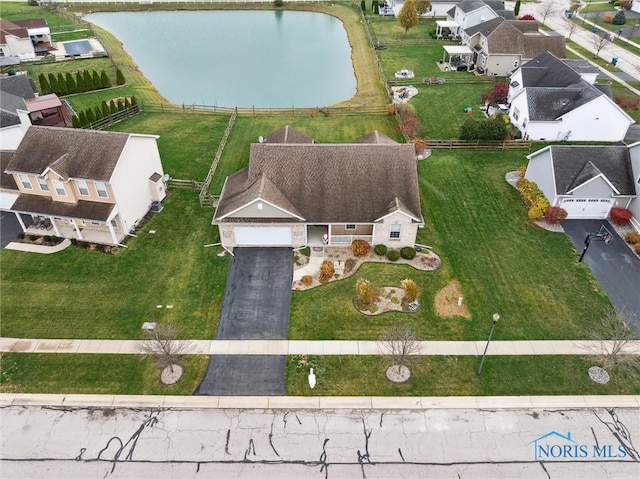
(249, 443)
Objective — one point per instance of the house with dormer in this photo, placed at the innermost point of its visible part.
(296, 192)
(469, 13)
(25, 39)
(552, 99)
(500, 46)
(87, 185)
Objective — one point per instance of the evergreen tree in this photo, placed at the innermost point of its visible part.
(408, 16)
(127, 104)
(119, 78)
(134, 104)
(619, 19)
(113, 108)
(91, 116)
(375, 6)
(423, 6)
(95, 80)
(53, 83)
(363, 5)
(45, 88)
(120, 105)
(75, 121)
(80, 83)
(105, 110)
(98, 112)
(88, 81)
(104, 80)
(62, 85)
(516, 9)
(83, 119)
(71, 83)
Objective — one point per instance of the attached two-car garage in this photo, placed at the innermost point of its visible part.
(262, 236)
(587, 208)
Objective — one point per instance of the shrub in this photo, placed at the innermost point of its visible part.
(537, 209)
(619, 18)
(532, 195)
(306, 251)
(410, 289)
(360, 248)
(632, 237)
(620, 216)
(380, 249)
(636, 247)
(393, 255)
(307, 279)
(628, 102)
(555, 215)
(608, 17)
(528, 16)
(408, 252)
(364, 290)
(493, 128)
(349, 265)
(498, 94)
(326, 271)
(391, 110)
(419, 146)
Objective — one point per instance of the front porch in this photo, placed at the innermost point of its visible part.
(75, 229)
(338, 235)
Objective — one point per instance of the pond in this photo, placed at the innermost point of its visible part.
(255, 58)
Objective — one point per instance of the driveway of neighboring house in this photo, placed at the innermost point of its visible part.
(255, 306)
(10, 228)
(614, 265)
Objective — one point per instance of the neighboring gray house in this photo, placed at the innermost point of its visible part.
(296, 192)
(500, 46)
(14, 89)
(587, 181)
(469, 13)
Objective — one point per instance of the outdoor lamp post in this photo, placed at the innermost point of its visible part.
(496, 317)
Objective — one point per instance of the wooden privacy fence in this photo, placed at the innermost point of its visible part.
(478, 145)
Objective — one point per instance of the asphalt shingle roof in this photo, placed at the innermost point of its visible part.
(327, 183)
(71, 153)
(45, 205)
(574, 165)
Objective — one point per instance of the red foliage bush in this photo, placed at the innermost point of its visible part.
(555, 215)
(620, 216)
(528, 16)
(628, 103)
(499, 93)
(360, 248)
(326, 271)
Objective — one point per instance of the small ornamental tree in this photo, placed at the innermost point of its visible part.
(423, 6)
(364, 290)
(278, 3)
(516, 8)
(104, 80)
(326, 271)
(620, 216)
(619, 18)
(555, 215)
(360, 248)
(120, 78)
(499, 94)
(408, 15)
(411, 291)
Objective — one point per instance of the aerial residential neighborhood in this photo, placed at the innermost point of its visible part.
(438, 275)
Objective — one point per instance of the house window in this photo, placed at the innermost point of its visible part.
(516, 113)
(350, 227)
(101, 189)
(394, 231)
(59, 187)
(114, 223)
(24, 179)
(42, 183)
(82, 187)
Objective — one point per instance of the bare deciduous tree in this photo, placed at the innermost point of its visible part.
(545, 10)
(400, 345)
(599, 43)
(571, 26)
(614, 345)
(162, 343)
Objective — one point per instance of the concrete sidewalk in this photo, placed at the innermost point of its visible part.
(285, 347)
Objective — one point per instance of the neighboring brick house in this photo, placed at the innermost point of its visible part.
(296, 192)
(88, 185)
(500, 46)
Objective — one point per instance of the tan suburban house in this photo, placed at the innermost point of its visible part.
(89, 185)
(299, 193)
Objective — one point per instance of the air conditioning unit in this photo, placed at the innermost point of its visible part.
(156, 206)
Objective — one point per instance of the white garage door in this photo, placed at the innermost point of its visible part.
(594, 208)
(257, 236)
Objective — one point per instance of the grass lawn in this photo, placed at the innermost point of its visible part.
(475, 222)
(94, 374)
(451, 376)
(186, 153)
(88, 294)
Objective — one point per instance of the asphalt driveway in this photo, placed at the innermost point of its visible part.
(614, 265)
(255, 306)
(10, 228)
